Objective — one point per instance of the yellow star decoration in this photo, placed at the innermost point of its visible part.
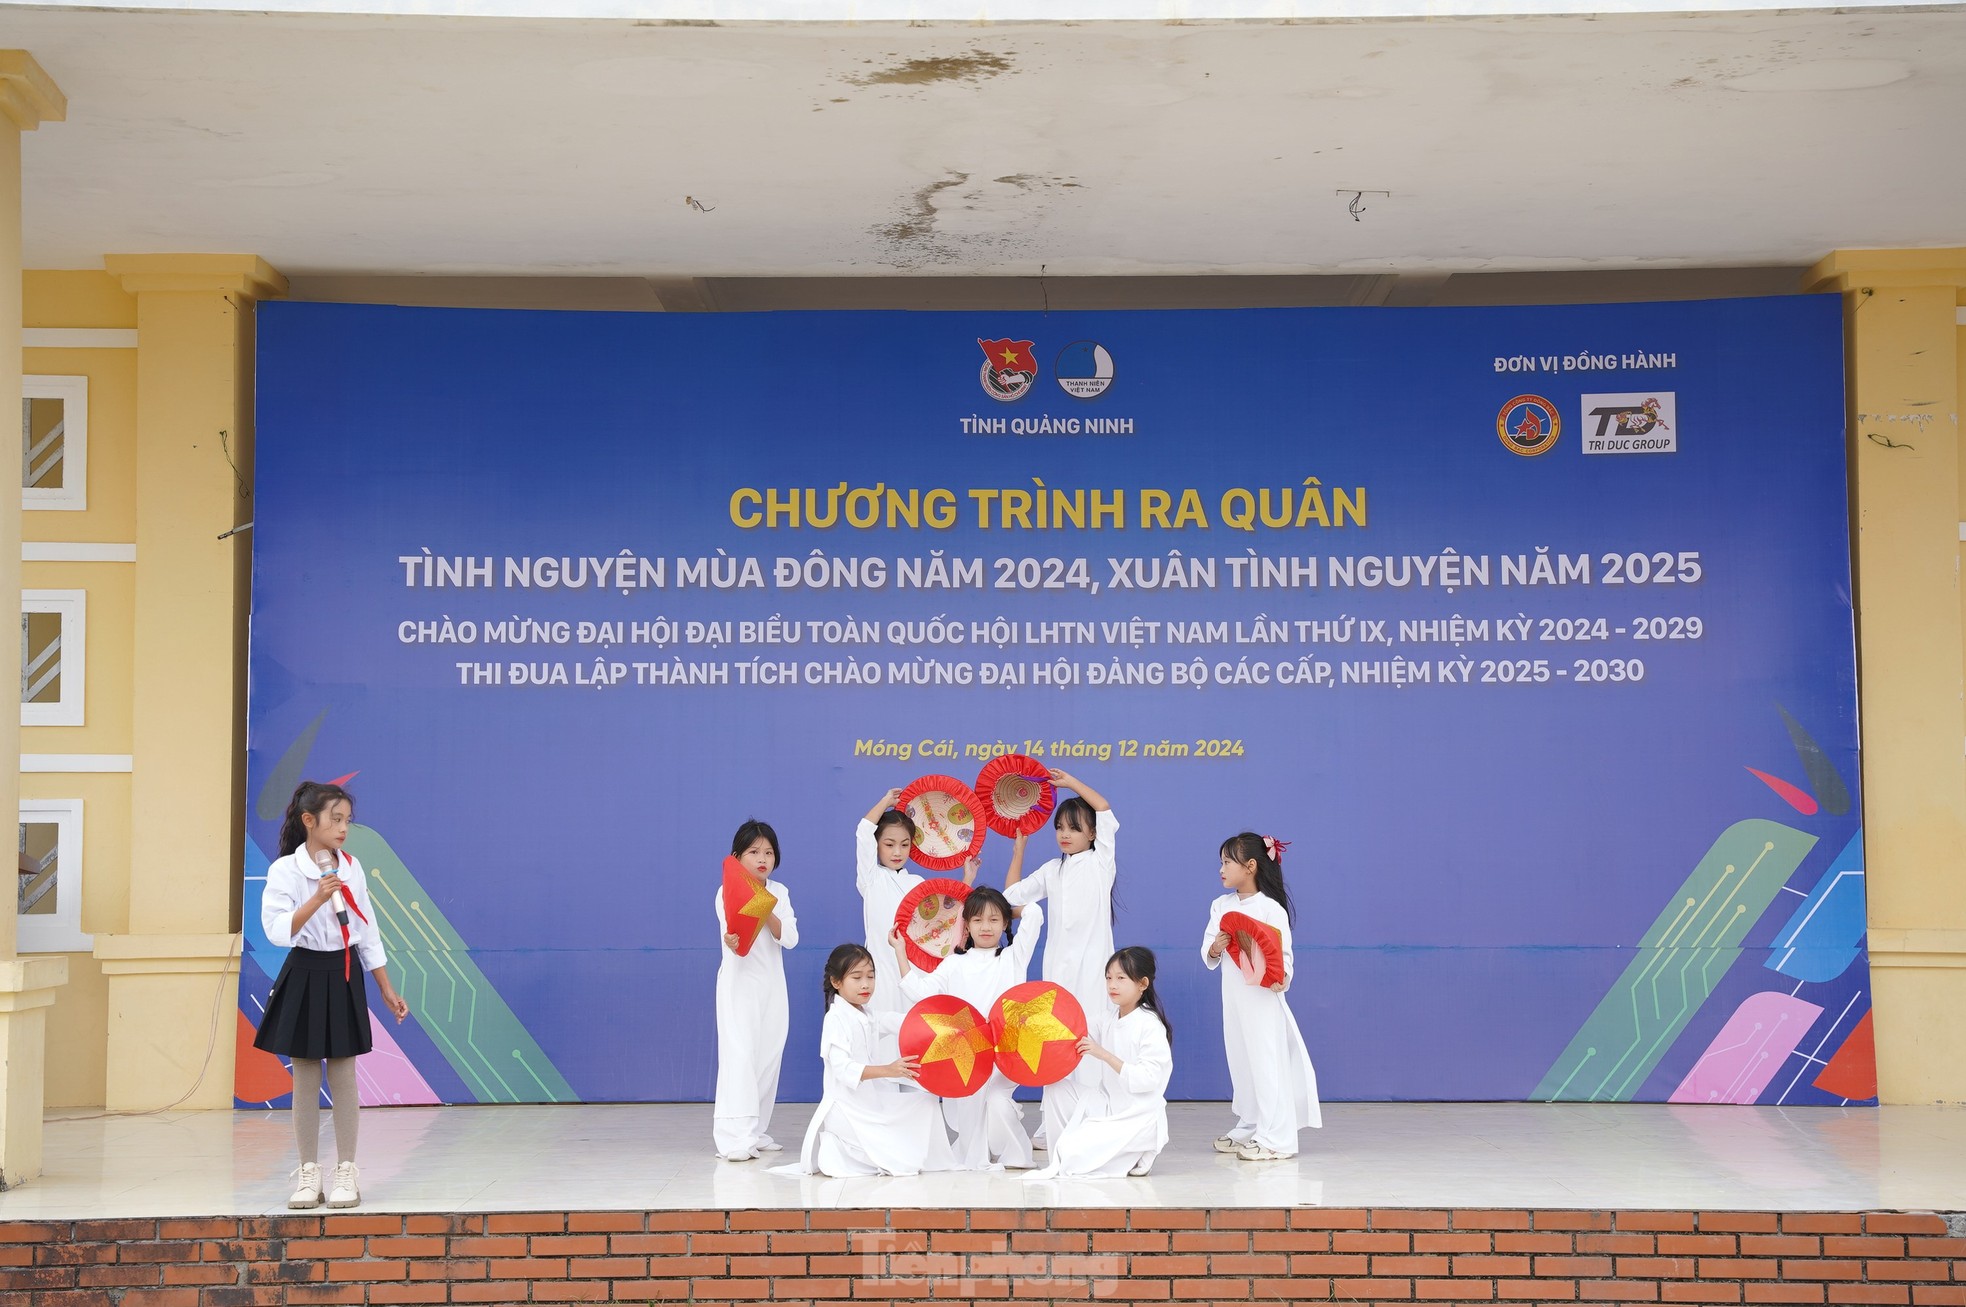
(1009, 356)
(1028, 1027)
(957, 1039)
(761, 903)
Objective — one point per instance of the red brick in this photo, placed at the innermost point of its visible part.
(540, 1222)
(1432, 1290)
(1904, 1223)
(1820, 1270)
(1629, 1245)
(887, 1241)
(158, 1252)
(1167, 1218)
(454, 1224)
(1327, 1218)
(650, 1290)
(413, 1291)
(1373, 1290)
(1617, 1291)
(986, 1241)
(1870, 1293)
(74, 1254)
(1822, 1223)
(658, 1221)
(323, 1293)
(595, 1245)
(1132, 1241)
(533, 1268)
(1452, 1243)
(719, 1243)
(1740, 1222)
(77, 1298)
(298, 1249)
(1086, 1218)
(574, 1291)
(161, 1298)
(43, 1277)
(98, 1277)
(1851, 1245)
(1400, 1218)
(1252, 1218)
(490, 1245)
(1184, 1264)
(1249, 1264)
(449, 1268)
(1573, 1268)
(363, 1225)
(856, 1264)
(1211, 1243)
(942, 1219)
(1739, 1268)
(351, 1271)
(1567, 1220)
(610, 1268)
(199, 1228)
(1490, 1219)
(1349, 1241)
(1699, 1291)
(490, 1291)
(1698, 1245)
(1784, 1292)
(407, 1245)
(1536, 1290)
(755, 1219)
(194, 1273)
(1780, 1245)
(1937, 1272)
(1534, 1243)
(1491, 1264)
(630, 1245)
(25, 1232)
(275, 1272)
(1410, 1266)
(1676, 1222)
(1132, 1290)
(1940, 1295)
(1043, 1241)
(1207, 1289)
(1656, 1268)
(694, 1267)
(1931, 1247)
(111, 1231)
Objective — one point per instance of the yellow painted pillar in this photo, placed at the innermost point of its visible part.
(172, 978)
(28, 98)
(1902, 327)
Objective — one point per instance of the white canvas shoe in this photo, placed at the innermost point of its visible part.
(308, 1194)
(347, 1189)
(1228, 1144)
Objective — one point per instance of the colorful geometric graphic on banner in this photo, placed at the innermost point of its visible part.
(1530, 625)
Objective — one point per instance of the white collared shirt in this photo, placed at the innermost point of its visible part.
(291, 881)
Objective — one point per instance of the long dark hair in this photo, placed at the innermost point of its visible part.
(1076, 814)
(314, 797)
(1269, 872)
(843, 958)
(1138, 965)
(750, 833)
(985, 897)
(895, 817)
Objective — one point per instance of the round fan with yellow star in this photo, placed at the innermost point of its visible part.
(747, 904)
(948, 819)
(1017, 794)
(954, 1047)
(930, 919)
(1038, 1026)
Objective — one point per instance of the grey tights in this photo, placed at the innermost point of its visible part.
(307, 1107)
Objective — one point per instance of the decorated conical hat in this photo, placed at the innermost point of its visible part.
(1255, 946)
(1016, 793)
(948, 819)
(930, 919)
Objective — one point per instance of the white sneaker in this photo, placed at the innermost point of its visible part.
(1255, 1152)
(1141, 1169)
(309, 1192)
(1228, 1144)
(748, 1155)
(347, 1189)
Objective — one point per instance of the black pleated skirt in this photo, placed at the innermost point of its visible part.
(313, 1011)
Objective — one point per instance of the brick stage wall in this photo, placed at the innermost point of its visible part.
(942, 1257)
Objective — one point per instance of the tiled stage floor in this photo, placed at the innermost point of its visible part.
(634, 1157)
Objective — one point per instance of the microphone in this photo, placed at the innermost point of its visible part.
(325, 861)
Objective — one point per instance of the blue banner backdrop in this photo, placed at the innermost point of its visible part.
(1529, 628)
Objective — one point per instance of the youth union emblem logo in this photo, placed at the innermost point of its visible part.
(1009, 368)
(1528, 424)
(1084, 369)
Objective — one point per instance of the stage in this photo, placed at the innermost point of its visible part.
(657, 1157)
(1387, 1203)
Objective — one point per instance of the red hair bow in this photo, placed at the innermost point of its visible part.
(1275, 847)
